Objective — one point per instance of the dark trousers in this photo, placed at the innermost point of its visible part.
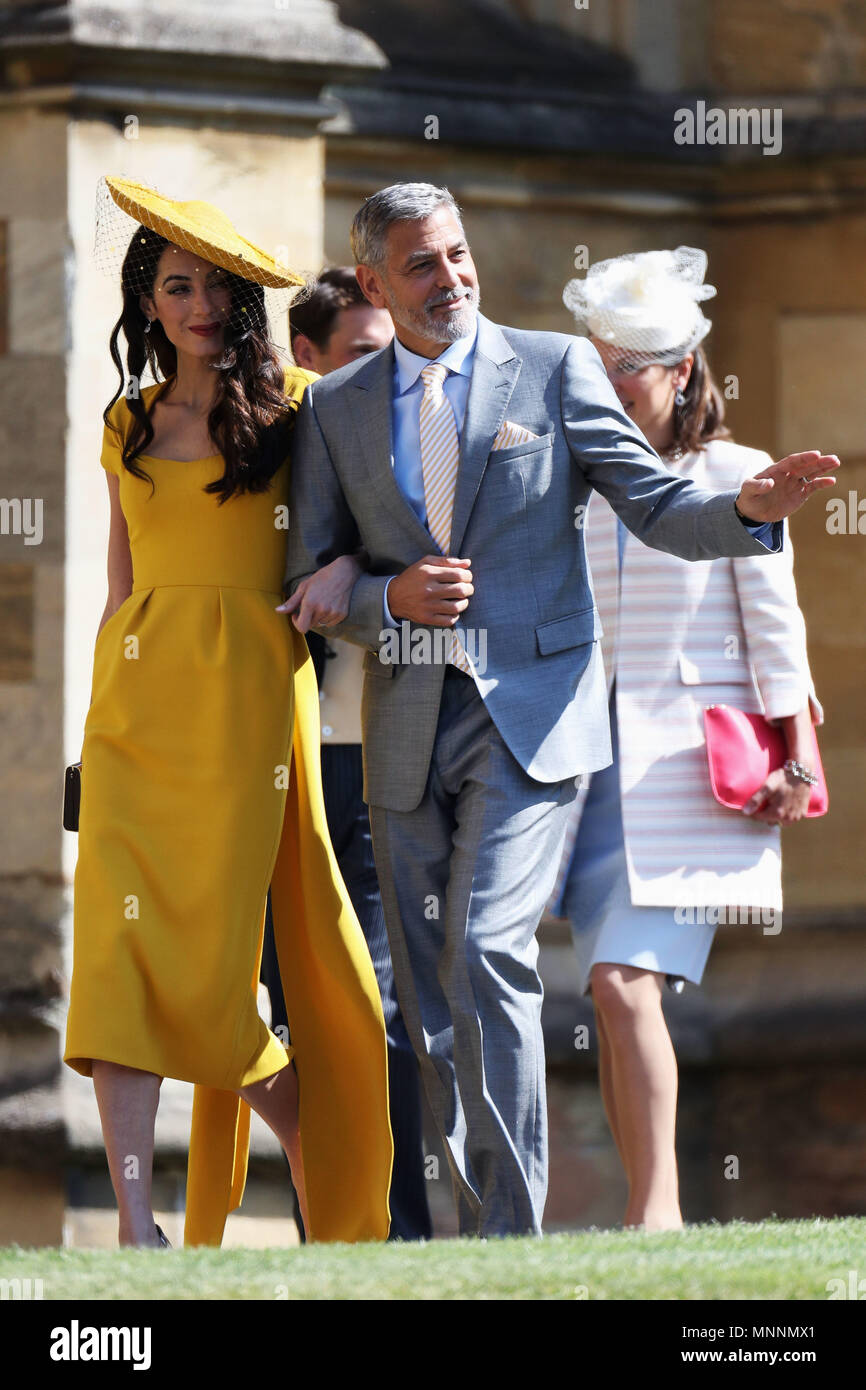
(349, 825)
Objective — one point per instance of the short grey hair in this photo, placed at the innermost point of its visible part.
(400, 202)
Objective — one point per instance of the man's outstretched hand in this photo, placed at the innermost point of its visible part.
(782, 488)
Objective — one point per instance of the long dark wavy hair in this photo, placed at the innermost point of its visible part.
(702, 415)
(251, 416)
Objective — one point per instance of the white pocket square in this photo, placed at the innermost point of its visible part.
(511, 434)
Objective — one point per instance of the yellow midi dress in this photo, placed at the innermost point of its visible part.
(201, 786)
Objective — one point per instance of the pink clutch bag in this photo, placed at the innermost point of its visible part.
(742, 749)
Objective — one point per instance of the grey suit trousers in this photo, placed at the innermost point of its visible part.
(464, 880)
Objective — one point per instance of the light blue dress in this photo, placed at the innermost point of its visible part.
(606, 926)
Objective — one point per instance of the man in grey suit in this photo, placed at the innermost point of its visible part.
(466, 486)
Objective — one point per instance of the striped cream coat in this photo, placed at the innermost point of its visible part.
(680, 635)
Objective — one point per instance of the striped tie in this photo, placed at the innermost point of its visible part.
(440, 452)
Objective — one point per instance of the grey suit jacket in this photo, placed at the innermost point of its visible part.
(517, 516)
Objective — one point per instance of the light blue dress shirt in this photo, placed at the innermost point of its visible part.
(406, 409)
(769, 533)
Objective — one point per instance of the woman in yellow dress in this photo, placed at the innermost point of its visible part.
(200, 763)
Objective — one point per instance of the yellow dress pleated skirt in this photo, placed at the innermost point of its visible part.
(201, 787)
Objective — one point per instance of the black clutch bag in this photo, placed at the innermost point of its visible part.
(72, 797)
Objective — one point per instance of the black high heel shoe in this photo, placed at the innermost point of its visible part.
(163, 1238)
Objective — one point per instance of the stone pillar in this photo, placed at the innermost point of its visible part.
(202, 101)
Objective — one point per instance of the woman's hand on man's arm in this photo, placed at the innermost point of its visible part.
(322, 599)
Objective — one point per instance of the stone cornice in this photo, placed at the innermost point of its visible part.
(250, 61)
(301, 32)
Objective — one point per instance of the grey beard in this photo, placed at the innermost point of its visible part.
(458, 325)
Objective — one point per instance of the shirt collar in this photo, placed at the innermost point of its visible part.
(457, 357)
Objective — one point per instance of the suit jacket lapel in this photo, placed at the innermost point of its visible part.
(495, 370)
(372, 388)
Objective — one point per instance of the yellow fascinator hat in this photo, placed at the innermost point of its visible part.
(204, 230)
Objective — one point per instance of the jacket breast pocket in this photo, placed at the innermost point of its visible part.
(519, 451)
(372, 666)
(573, 630)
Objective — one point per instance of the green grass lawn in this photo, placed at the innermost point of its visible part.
(767, 1260)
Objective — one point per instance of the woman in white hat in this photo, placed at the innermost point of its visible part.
(201, 781)
(652, 860)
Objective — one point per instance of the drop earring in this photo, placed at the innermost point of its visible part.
(679, 397)
(148, 326)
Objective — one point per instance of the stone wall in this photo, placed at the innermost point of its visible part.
(729, 45)
(33, 192)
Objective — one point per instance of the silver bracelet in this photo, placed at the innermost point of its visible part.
(803, 774)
